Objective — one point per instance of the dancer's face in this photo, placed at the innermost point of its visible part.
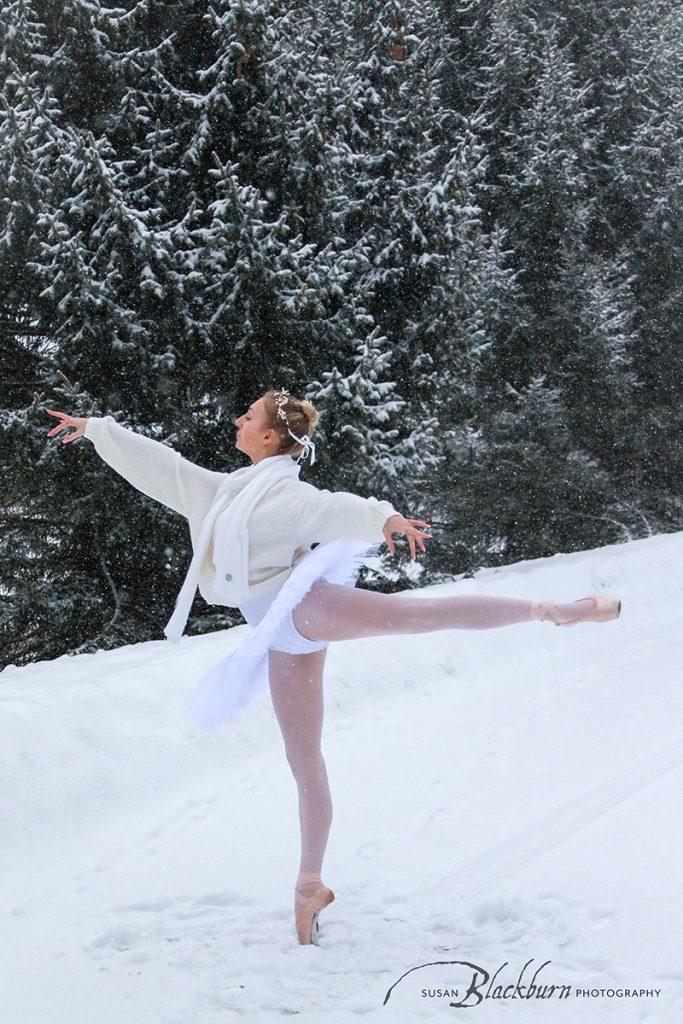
(254, 438)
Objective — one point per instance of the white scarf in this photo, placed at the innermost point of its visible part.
(235, 499)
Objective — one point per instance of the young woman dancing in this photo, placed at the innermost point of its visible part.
(287, 555)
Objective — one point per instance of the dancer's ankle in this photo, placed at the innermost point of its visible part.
(308, 881)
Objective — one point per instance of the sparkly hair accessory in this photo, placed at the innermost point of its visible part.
(281, 400)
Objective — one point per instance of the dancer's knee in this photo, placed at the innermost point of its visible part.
(305, 763)
(410, 615)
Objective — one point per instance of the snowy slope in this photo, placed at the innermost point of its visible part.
(500, 796)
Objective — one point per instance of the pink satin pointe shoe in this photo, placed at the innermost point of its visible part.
(604, 609)
(307, 927)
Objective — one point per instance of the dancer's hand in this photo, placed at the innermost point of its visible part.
(399, 524)
(68, 421)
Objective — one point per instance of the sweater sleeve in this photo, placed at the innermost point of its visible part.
(326, 515)
(152, 467)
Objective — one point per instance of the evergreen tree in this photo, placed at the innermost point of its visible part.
(456, 228)
(646, 174)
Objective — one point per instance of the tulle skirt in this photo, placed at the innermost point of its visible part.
(237, 679)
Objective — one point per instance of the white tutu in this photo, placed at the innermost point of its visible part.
(241, 676)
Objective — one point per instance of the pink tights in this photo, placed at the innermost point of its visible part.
(296, 687)
(333, 612)
(330, 611)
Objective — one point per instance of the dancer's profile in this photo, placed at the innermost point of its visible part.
(287, 554)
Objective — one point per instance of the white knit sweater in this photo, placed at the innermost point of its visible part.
(287, 519)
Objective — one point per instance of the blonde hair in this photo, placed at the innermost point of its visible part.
(302, 418)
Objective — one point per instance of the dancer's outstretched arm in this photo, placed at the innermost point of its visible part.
(152, 467)
(327, 515)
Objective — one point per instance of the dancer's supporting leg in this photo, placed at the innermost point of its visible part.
(296, 687)
(330, 611)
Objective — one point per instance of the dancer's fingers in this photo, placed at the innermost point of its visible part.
(66, 422)
(420, 522)
(418, 535)
(58, 428)
(411, 532)
(63, 417)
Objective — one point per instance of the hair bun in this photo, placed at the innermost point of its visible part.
(290, 416)
(310, 412)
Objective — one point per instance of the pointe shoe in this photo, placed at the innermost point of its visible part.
(307, 927)
(604, 608)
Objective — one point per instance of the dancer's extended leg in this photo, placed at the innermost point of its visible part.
(330, 611)
(296, 687)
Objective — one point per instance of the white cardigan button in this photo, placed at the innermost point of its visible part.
(228, 575)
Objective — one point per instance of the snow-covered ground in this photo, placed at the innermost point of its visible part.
(500, 796)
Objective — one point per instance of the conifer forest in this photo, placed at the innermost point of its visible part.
(455, 226)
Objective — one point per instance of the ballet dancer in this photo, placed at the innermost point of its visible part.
(254, 533)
